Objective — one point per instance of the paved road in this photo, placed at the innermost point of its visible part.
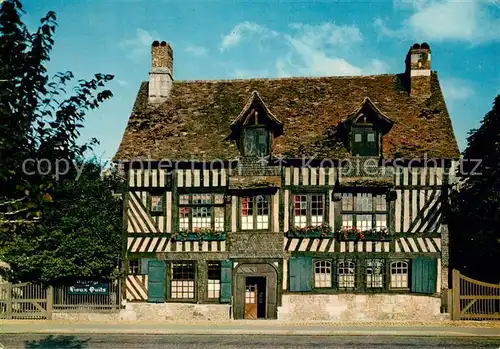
(22, 341)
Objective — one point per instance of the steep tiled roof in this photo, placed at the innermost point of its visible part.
(196, 119)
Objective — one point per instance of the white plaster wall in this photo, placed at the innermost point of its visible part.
(353, 307)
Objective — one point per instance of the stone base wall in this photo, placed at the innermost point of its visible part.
(354, 307)
(175, 312)
(77, 316)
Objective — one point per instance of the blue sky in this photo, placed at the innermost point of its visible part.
(246, 39)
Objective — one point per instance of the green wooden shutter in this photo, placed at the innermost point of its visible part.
(156, 281)
(300, 274)
(144, 265)
(226, 277)
(423, 275)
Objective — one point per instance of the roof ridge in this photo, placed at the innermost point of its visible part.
(288, 78)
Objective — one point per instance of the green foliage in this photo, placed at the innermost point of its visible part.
(78, 221)
(79, 235)
(475, 223)
(38, 119)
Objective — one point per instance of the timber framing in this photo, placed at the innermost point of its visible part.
(280, 155)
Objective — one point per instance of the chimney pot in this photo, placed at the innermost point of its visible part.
(418, 70)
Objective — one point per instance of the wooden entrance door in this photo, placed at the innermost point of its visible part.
(251, 301)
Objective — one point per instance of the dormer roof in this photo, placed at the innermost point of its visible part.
(367, 111)
(255, 112)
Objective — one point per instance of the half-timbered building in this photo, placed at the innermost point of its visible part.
(288, 198)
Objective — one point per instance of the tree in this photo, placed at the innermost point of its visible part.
(39, 121)
(79, 234)
(475, 227)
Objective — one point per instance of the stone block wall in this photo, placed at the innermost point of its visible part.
(356, 307)
(79, 316)
(255, 244)
(175, 312)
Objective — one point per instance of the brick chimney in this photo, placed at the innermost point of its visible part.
(161, 76)
(418, 70)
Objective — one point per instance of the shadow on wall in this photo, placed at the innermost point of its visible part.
(59, 342)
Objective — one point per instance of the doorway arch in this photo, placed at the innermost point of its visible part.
(261, 278)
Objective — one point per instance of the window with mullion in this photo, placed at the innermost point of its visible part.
(201, 211)
(346, 270)
(364, 211)
(182, 280)
(308, 210)
(399, 271)
(214, 276)
(156, 204)
(254, 212)
(322, 274)
(374, 273)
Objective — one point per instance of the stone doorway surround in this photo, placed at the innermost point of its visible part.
(249, 270)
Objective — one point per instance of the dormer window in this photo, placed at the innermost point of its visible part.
(255, 128)
(365, 141)
(367, 126)
(256, 141)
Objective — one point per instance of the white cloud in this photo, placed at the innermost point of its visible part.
(140, 44)
(328, 33)
(456, 89)
(281, 69)
(197, 51)
(309, 50)
(441, 20)
(244, 30)
(250, 74)
(121, 82)
(322, 50)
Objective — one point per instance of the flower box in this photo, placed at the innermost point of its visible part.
(198, 237)
(321, 231)
(309, 234)
(354, 234)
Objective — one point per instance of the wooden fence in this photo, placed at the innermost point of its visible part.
(25, 301)
(473, 299)
(65, 302)
(32, 301)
